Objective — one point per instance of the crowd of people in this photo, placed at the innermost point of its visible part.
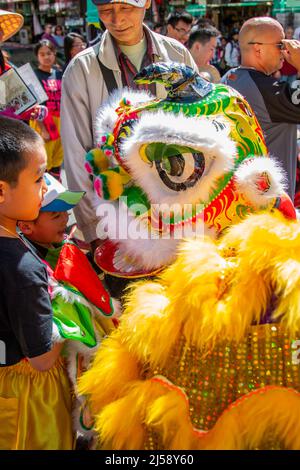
(261, 60)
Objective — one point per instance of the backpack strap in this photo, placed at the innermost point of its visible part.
(107, 73)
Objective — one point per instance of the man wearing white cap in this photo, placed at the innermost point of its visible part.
(126, 46)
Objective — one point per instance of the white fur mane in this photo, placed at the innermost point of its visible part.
(106, 115)
(199, 133)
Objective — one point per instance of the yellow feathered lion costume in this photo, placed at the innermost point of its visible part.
(206, 356)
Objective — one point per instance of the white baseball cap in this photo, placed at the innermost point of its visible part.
(57, 197)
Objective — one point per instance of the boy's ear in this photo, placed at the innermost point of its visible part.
(25, 227)
(3, 188)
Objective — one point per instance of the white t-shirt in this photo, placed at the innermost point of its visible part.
(297, 33)
(135, 53)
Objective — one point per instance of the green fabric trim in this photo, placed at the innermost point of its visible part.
(71, 198)
(106, 193)
(135, 195)
(74, 321)
(82, 424)
(53, 255)
(158, 151)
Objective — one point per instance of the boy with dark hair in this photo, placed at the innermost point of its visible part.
(34, 388)
(47, 235)
(179, 25)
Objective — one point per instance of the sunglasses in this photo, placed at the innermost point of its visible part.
(279, 45)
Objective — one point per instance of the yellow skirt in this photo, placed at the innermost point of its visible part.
(54, 148)
(35, 408)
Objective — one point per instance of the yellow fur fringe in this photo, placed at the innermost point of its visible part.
(113, 367)
(270, 415)
(212, 296)
(213, 292)
(120, 424)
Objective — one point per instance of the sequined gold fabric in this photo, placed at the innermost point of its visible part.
(215, 380)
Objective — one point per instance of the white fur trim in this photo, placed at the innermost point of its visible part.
(144, 251)
(248, 174)
(77, 347)
(117, 308)
(56, 337)
(198, 133)
(106, 115)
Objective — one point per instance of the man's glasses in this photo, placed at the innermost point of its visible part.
(279, 45)
(79, 44)
(183, 32)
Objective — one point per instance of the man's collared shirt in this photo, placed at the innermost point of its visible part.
(128, 70)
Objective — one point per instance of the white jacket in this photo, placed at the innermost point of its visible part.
(232, 54)
(83, 91)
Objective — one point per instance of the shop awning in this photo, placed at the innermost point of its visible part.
(196, 10)
(92, 16)
(240, 4)
(6, 3)
(286, 6)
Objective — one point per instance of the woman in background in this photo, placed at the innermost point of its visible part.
(59, 36)
(50, 78)
(73, 44)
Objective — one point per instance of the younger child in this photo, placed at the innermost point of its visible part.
(47, 234)
(50, 78)
(35, 399)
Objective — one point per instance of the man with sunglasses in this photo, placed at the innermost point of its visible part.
(276, 105)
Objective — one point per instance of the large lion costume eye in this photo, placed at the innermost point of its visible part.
(177, 159)
(178, 167)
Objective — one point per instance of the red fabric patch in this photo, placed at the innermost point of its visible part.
(232, 77)
(286, 207)
(73, 267)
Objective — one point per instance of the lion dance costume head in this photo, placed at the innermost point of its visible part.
(205, 356)
(169, 166)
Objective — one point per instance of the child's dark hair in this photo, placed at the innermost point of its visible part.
(202, 35)
(44, 43)
(17, 140)
(176, 16)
